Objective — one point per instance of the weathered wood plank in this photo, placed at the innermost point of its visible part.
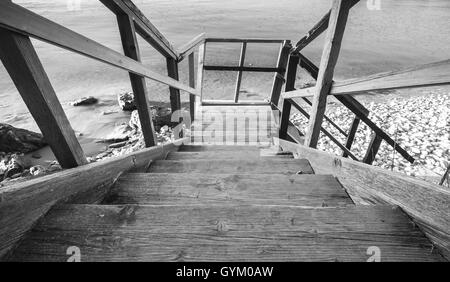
(242, 40)
(211, 155)
(18, 19)
(224, 233)
(23, 65)
(419, 76)
(22, 203)
(269, 166)
(338, 20)
(425, 202)
(143, 26)
(186, 189)
(279, 77)
(188, 48)
(242, 68)
(239, 75)
(131, 49)
(197, 148)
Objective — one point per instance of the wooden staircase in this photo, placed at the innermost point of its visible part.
(204, 203)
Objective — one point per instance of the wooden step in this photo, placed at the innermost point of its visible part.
(204, 148)
(244, 166)
(187, 188)
(224, 233)
(214, 155)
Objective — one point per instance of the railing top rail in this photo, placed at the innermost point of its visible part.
(143, 26)
(189, 47)
(21, 20)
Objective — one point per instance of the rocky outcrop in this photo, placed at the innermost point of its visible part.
(161, 116)
(16, 140)
(126, 101)
(85, 101)
(11, 166)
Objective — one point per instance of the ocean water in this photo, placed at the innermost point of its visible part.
(401, 33)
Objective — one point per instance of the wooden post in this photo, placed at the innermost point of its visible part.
(351, 135)
(23, 65)
(373, 149)
(278, 79)
(338, 20)
(192, 97)
(239, 76)
(200, 69)
(290, 85)
(285, 115)
(131, 50)
(172, 70)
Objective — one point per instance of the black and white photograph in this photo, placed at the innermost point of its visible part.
(210, 132)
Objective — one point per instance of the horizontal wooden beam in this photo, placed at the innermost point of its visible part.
(420, 76)
(190, 47)
(316, 31)
(249, 69)
(425, 202)
(143, 26)
(242, 40)
(232, 103)
(23, 203)
(21, 20)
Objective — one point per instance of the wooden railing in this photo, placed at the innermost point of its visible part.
(335, 21)
(19, 57)
(279, 69)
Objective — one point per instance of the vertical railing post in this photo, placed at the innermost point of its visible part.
(278, 79)
(172, 70)
(351, 135)
(290, 86)
(192, 97)
(336, 27)
(239, 76)
(200, 70)
(372, 151)
(131, 50)
(23, 65)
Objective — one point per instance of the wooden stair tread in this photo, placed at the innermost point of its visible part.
(224, 233)
(215, 148)
(269, 166)
(188, 188)
(226, 155)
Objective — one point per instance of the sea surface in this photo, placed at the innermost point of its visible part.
(399, 34)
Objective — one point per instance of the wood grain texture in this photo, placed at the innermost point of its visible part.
(224, 233)
(351, 135)
(338, 19)
(269, 166)
(234, 155)
(23, 203)
(23, 65)
(425, 202)
(18, 19)
(131, 49)
(175, 98)
(200, 69)
(200, 189)
(199, 148)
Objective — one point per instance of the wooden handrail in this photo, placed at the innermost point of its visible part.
(189, 47)
(143, 26)
(420, 76)
(21, 20)
(316, 31)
